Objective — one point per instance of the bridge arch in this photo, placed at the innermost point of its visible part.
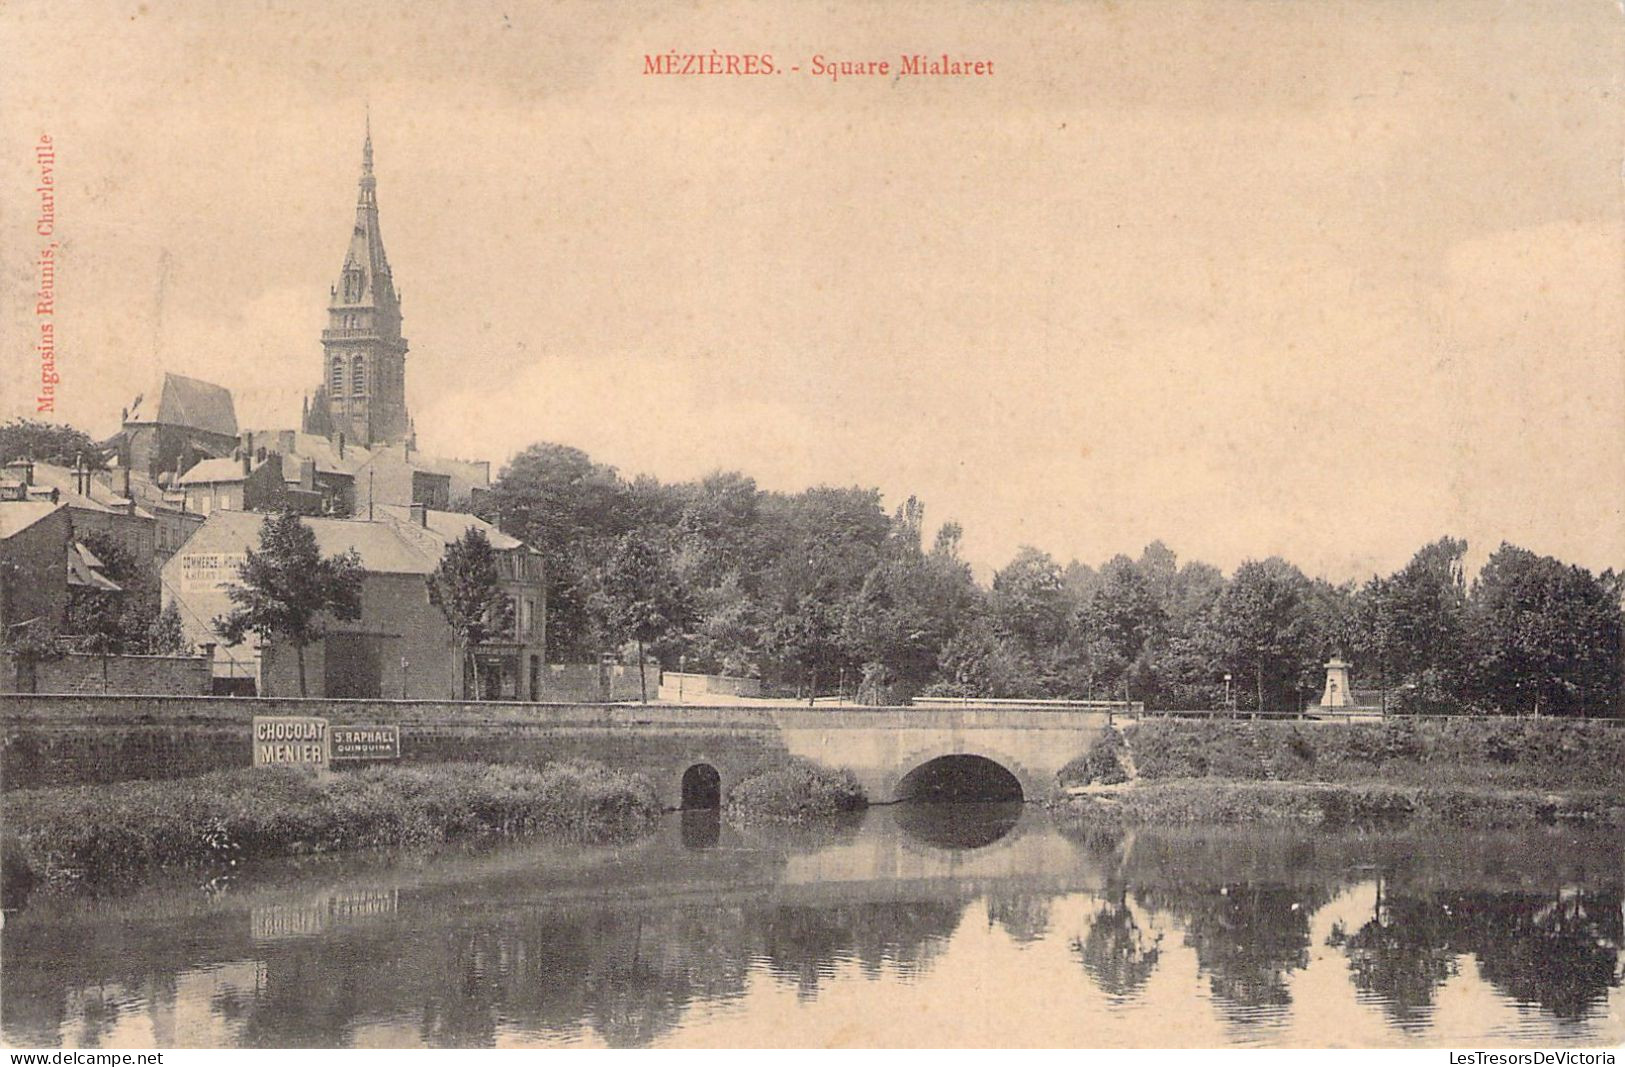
(978, 771)
(701, 788)
(960, 776)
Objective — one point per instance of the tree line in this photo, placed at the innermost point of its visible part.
(823, 590)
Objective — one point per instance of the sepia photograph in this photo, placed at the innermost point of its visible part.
(862, 524)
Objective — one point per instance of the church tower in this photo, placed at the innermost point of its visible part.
(363, 390)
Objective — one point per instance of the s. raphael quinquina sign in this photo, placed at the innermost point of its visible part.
(366, 742)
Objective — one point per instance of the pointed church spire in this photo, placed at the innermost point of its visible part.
(367, 198)
(364, 355)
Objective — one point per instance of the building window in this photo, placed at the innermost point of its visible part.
(358, 376)
(338, 376)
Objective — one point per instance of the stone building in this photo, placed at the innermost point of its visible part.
(514, 665)
(95, 508)
(402, 646)
(35, 536)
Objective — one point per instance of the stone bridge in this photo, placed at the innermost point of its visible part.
(895, 752)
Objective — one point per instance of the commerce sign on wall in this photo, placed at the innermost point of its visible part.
(205, 571)
(366, 742)
(290, 739)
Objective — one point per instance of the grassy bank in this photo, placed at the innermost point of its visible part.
(99, 834)
(794, 790)
(1481, 773)
(1513, 753)
(1225, 802)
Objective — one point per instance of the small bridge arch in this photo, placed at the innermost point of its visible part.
(701, 787)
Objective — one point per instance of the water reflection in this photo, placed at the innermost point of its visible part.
(1117, 953)
(958, 826)
(700, 829)
(699, 934)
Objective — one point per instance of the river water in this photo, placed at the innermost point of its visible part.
(913, 925)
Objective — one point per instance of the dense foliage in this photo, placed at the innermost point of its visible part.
(822, 590)
(49, 443)
(128, 621)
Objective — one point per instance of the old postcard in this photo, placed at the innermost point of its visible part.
(854, 524)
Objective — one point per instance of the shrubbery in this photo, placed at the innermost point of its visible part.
(794, 790)
(94, 834)
(1101, 765)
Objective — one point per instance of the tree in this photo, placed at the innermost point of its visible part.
(571, 509)
(1412, 625)
(1031, 601)
(909, 607)
(166, 636)
(49, 443)
(467, 590)
(1263, 622)
(644, 600)
(287, 586)
(1547, 638)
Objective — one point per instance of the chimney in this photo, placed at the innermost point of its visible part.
(307, 473)
(420, 514)
(248, 463)
(341, 444)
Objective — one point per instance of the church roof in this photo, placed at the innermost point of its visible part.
(189, 402)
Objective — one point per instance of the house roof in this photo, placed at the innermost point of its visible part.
(190, 402)
(296, 445)
(214, 472)
(448, 526)
(18, 515)
(381, 547)
(100, 498)
(84, 569)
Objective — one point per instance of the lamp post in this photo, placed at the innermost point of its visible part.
(1227, 691)
(682, 669)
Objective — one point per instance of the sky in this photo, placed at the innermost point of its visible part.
(1325, 281)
